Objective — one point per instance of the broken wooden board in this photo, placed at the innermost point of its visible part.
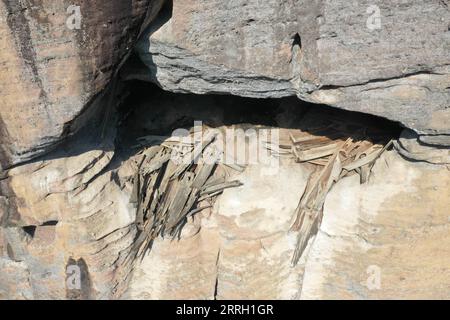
(172, 183)
(325, 146)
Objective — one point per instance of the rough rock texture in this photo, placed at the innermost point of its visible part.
(322, 51)
(65, 210)
(72, 204)
(411, 146)
(397, 224)
(242, 249)
(50, 73)
(73, 207)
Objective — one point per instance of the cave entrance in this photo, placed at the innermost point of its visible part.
(150, 110)
(176, 179)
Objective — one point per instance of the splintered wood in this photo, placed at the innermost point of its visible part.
(336, 148)
(173, 183)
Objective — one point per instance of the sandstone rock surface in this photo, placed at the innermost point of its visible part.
(52, 69)
(330, 52)
(74, 207)
(395, 227)
(70, 159)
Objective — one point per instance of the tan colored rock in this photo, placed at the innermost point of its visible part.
(52, 70)
(73, 209)
(185, 269)
(397, 224)
(411, 147)
(242, 250)
(67, 211)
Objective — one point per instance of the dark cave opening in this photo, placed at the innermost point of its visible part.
(30, 230)
(148, 109)
(297, 41)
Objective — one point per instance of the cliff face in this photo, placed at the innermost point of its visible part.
(56, 57)
(390, 60)
(82, 194)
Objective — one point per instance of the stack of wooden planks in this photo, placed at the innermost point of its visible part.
(336, 149)
(173, 183)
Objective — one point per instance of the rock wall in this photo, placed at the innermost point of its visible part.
(56, 57)
(330, 52)
(327, 52)
(69, 159)
(396, 226)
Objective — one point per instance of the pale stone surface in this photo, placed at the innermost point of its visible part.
(240, 250)
(185, 269)
(67, 209)
(16, 285)
(398, 224)
(257, 246)
(71, 206)
(411, 146)
(264, 205)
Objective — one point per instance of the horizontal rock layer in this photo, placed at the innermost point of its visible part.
(330, 52)
(74, 207)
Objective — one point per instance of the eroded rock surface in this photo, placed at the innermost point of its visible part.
(241, 249)
(74, 207)
(52, 68)
(330, 52)
(71, 206)
(395, 227)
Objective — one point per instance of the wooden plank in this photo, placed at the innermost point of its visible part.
(204, 172)
(365, 160)
(179, 199)
(315, 153)
(222, 186)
